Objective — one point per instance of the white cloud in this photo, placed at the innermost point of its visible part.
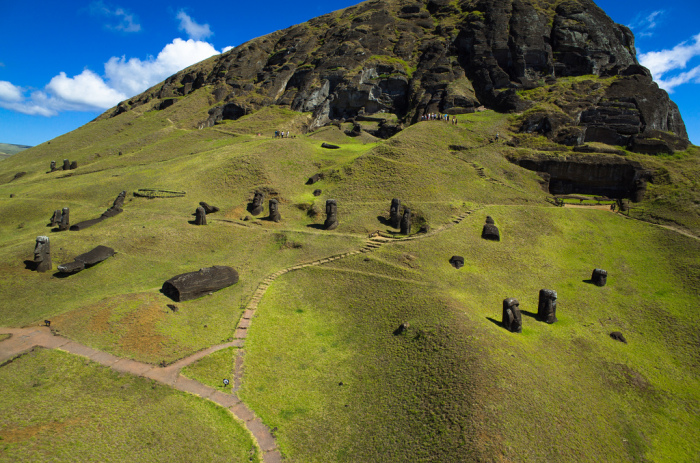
(123, 79)
(683, 78)
(644, 23)
(121, 19)
(194, 30)
(9, 92)
(662, 62)
(227, 49)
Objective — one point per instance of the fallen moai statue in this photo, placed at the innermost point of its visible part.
(207, 208)
(196, 284)
(329, 146)
(87, 260)
(111, 212)
(314, 178)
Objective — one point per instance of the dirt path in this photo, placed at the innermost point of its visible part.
(23, 340)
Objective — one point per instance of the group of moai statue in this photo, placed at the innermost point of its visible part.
(60, 219)
(202, 211)
(67, 165)
(546, 307)
(398, 220)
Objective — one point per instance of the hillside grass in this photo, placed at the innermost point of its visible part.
(63, 408)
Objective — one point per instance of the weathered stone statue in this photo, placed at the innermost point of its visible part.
(66, 164)
(512, 319)
(196, 284)
(200, 216)
(490, 230)
(547, 306)
(403, 327)
(207, 208)
(331, 222)
(394, 214)
(406, 222)
(55, 218)
(42, 254)
(116, 206)
(257, 206)
(600, 277)
(53, 166)
(317, 192)
(74, 165)
(640, 190)
(87, 260)
(457, 261)
(275, 215)
(64, 224)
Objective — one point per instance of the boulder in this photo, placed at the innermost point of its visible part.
(512, 319)
(331, 222)
(42, 254)
(192, 285)
(317, 192)
(547, 306)
(457, 261)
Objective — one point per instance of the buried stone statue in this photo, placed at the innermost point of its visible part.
(406, 222)
(196, 284)
(600, 277)
(42, 254)
(394, 214)
(331, 222)
(490, 231)
(512, 319)
(275, 215)
(547, 306)
(200, 216)
(256, 207)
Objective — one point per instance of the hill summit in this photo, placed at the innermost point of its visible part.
(439, 56)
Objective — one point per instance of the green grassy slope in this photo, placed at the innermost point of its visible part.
(456, 387)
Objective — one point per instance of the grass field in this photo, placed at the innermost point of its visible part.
(321, 363)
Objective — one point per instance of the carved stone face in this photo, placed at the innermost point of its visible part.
(512, 319)
(274, 211)
(258, 199)
(273, 206)
(41, 248)
(547, 307)
(331, 215)
(600, 277)
(406, 222)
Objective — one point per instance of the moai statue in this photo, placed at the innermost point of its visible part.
(600, 277)
(274, 211)
(119, 202)
(640, 189)
(74, 165)
(457, 262)
(66, 164)
(406, 222)
(200, 217)
(547, 306)
(257, 206)
(512, 320)
(55, 218)
(490, 230)
(53, 166)
(331, 222)
(207, 208)
(394, 214)
(42, 254)
(64, 224)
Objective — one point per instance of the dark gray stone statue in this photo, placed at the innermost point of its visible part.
(42, 254)
(207, 208)
(257, 207)
(600, 277)
(64, 224)
(512, 319)
(87, 260)
(74, 165)
(196, 284)
(547, 306)
(331, 222)
(406, 222)
(457, 261)
(490, 230)
(200, 216)
(394, 214)
(53, 166)
(275, 215)
(66, 164)
(55, 218)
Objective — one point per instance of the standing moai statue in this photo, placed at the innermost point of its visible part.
(490, 230)
(331, 222)
(42, 254)
(74, 165)
(394, 214)
(600, 277)
(200, 216)
(64, 224)
(547, 306)
(512, 319)
(55, 218)
(66, 164)
(257, 206)
(275, 215)
(406, 222)
(53, 166)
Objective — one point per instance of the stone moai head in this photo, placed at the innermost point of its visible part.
(257, 206)
(547, 306)
(394, 214)
(490, 230)
(53, 166)
(512, 320)
(64, 224)
(457, 261)
(42, 254)
(489, 219)
(275, 215)
(406, 222)
(74, 165)
(66, 164)
(200, 216)
(331, 215)
(56, 218)
(119, 202)
(600, 277)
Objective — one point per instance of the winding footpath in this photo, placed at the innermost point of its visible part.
(23, 340)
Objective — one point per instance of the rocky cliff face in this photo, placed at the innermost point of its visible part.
(410, 58)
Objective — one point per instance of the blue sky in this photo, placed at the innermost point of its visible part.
(64, 63)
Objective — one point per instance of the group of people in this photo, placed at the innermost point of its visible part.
(281, 134)
(438, 117)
